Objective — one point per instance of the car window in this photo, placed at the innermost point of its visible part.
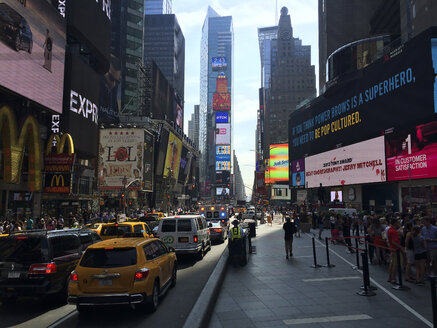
(209, 215)
(168, 226)
(65, 245)
(151, 250)
(23, 249)
(162, 246)
(95, 237)
(160, 249)
(146, 229)
(85, 238)
(184, 225)
(138, 228)
(115, 230)
(109, 258)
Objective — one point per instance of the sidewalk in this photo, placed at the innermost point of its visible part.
(271, 291)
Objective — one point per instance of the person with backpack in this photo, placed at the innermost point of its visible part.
(289, 231)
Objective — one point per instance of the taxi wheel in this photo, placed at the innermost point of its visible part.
(174, 275)
(154, 301)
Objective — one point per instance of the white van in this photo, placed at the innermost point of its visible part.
(187, 234)
(344, 211)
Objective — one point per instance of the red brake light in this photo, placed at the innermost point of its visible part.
(218, 230)
(42, 268)
(109, 247)
(195, 239)
(21, 238)
(116, 225)
(141, 274)
(74, 277)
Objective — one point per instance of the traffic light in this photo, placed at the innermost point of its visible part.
(122, 196)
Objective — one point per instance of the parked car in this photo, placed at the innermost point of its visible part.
(38, 262)
(127, 271)
(187, 234)
(97, 227)
(118, 230)
(15, 29)
(217, 231)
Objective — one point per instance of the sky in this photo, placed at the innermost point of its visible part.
(248, 16)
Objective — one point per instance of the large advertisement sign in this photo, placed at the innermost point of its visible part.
(59, 182)
(149, 148)
(298, 173)
(121, 159)
(223, 166)
(363, 162)
(219, 64)
(222, 117)
(278, 164)
(396, 90)
(221, 84)
(222, 191)
(223, 177)
(185, 166)
(226, 158)
(223, 134)
(412, 153)
(173, 157)
(32, 48)
(223, 150)
(221, 101)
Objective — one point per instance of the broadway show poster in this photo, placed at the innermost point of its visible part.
(363, 162)
(121, 159)
(298, 173)
(173, 157)
(412, 152)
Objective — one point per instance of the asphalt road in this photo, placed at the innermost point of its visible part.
(173, 309)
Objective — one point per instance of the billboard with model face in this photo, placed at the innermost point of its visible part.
(32, 48)
(121, 154)
(173, 157)
(363, 162)
(298, 173)
(223, 134)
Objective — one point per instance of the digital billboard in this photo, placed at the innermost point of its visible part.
(173, 157)
(396, 90)
(226, 158)
(185, 166)
(412, 152)
(223, 166)
(221, 101)
(363, 162)
(278, 164)
(223, 134)
(298, 173)
(222, 191)
(223, 177)
(222, 117)
(223, 150)
(121, 154)
(219, 63)
(336, 196)
(32, 48)
(221, 84)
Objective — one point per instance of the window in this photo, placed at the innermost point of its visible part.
(151, 251)
(109, 258)
(65, 245)
(138, 228)
(184, 225)
(168, 226)
(115, 230)
(161, 249)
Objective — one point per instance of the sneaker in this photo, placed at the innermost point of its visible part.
(286, 257)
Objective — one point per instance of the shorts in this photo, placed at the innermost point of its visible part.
(321, 227)
(432, 254)
(420, 256)
(394, 258)
(410, 256)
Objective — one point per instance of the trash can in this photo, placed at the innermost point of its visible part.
(252, 227)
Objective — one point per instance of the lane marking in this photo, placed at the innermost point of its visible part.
(338, 318)
(331, 279)
(62, 320)
(402, 303)
(301, 256)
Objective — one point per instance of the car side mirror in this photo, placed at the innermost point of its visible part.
(172, 250)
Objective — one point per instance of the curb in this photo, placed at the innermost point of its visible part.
(199, 315)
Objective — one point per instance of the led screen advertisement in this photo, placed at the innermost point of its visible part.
(222, 117)
(121, 153)
(412, 152)
(298, 173)
(396, 90)
(226, 158)
(223, 134)
(32, 48)
(185, 165)
(222, 191)
(221, 101)
(219, 63)
(278, 164)
(363, 162)
(223, 166)
(223, 150)
(223, 177)
(336, 196)
(221, 84)
(173, 156)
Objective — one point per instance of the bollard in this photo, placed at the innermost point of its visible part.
(400, 285)
(366, 289)
(315, 265)
(366, 246)
(433, 300)
(328, 265)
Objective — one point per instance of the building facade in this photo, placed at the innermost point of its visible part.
(239, 190)
(216, 85)
(193, 126)
(158, 7)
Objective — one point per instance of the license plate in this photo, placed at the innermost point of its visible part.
(183, 239)
(13, 274)
(105, 282)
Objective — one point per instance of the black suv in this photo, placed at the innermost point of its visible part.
(15, 29)
(39, 262)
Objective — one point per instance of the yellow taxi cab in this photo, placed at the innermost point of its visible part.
(94, 227)
(126, 271)
(4, 235)
(118, 230)
(158, 215)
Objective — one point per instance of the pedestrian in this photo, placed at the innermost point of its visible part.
(420, 255)
(346, 227)
(297, 222)
(269, 219)
(409, 251)
(321, 222)
(29, 224)
(395, 246)
(429, 233)
(289, 231)
(48, 45)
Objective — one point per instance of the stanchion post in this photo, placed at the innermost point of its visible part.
(315, 265)
(400, 285)
(433, 300)
(357, 267)
(366, 289)
(366, 246)
(328, 265)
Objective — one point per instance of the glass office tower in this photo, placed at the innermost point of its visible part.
(158, 7)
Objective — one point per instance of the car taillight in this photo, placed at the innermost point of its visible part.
(42, 268)
(141, 274)
(74, 277)
(218, 230)
(195, 239)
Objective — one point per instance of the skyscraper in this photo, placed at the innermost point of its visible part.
(265, 37)
(216, 72)
(158, 7)
(193, 126)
